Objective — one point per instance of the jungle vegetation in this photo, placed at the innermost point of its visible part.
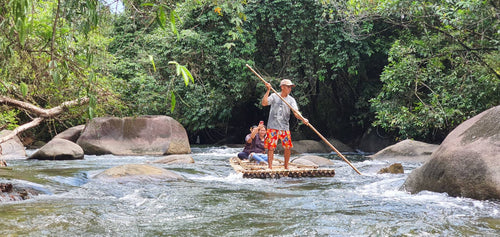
(411, 69)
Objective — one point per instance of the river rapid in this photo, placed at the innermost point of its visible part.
(213, 200)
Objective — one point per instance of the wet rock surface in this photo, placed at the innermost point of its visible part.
(467, 163)
(11, 192)
(144, 135)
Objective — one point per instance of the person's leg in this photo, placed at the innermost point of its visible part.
(270, 157)
(243, 155)
(286, 142)
(287, 157)
(270, 145)
(260, 157)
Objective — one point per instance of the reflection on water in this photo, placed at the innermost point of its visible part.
(214, 200)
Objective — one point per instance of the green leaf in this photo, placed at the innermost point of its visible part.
(24, 89)
(177, 67)
(92, 101)
(172, 23)
(187, 75)
(180, 69)
(55, 77)
(152, 62)
(162, 20)
(229, 45)
(91, 112)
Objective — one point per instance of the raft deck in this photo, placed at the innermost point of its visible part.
(254, 170)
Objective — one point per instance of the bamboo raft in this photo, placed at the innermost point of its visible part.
(261, 171)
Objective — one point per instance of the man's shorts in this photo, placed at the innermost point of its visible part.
(272, 139)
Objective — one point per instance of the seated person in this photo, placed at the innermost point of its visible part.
(254, 143)
(259, 157)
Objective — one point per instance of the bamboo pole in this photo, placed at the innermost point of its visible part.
(308, 124)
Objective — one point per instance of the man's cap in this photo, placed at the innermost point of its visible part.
(286, 82)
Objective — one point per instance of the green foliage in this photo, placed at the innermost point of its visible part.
(8, 119)
(443, 71)
(216, 39)
(51, 52)
(214, 70)
(427, 65)
(180, 69)
(334, 64)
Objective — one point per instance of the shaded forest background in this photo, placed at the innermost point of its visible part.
(400, 69)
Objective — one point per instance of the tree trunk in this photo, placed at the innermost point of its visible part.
(40, 112)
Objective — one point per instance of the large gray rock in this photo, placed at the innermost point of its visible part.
(407, 150)
(12, 148)
(137, 172)
(58, 149)
(145, 135)
(467, 163)
(71, 134)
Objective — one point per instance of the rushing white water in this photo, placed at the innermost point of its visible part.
(213, 200)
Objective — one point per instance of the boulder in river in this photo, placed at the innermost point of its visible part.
(467, 163)
(407, 150)
(58, 149)
(133, 172)
(144, 135)
(12, 148)
(71, 134)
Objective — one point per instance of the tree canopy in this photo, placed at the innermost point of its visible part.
(414, 68)
(47, 53)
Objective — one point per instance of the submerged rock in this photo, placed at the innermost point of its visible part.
(10, 192)
(467, 163)
(395, 168)
(175, 159)
(137, 172)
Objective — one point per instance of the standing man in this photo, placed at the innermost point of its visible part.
(278, 123)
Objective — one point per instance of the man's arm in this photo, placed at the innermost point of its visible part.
(298, 115)
(265, 101)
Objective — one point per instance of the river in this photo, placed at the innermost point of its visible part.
(213, 200)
